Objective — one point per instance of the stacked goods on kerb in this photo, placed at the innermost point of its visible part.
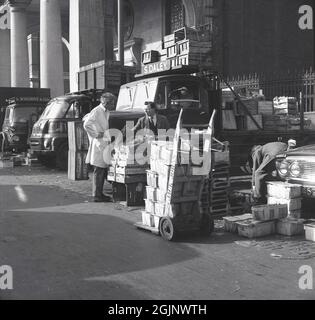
(128, 177)
(78, 148)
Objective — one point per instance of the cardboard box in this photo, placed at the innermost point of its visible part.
(290, 227)
(283, 190)
(159, 209)
(149, 206)
(255, 229)
(270, 212)
(151, 193)
(152, 179)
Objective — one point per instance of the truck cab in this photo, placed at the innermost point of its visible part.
(20, 115)
(166, 92)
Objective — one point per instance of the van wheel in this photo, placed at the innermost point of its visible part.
(62, 157)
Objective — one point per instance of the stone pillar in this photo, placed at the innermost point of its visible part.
(86, 35)
(34, 59)
(51, 64)
(5, 60)
(19, 52)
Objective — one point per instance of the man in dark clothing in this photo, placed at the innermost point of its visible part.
(152, 120)
(263, 166)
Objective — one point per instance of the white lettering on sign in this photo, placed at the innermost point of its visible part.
(4, 18)
(156, 67)
(306, 19)
(6, 278)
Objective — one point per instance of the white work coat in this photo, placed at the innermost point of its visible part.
(96, 122)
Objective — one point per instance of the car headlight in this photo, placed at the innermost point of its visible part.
(47, 143)
(15, 138)
(295, 169)
(283, 168)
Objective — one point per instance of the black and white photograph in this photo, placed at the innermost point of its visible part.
(157, 152)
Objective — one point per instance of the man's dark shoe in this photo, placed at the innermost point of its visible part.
(103, 199)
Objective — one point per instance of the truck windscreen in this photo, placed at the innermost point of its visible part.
(55, 110)
(22, 114)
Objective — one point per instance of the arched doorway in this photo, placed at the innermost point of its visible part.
(178, 13)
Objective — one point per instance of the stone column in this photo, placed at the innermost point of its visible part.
(51, 64)
(19, 53)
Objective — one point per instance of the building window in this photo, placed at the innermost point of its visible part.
(175, 15)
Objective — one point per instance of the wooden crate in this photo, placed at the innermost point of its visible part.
(134, 170)
(251, 104)
(151, 193)
(6, 163)
(152, 179)
(250, 125)
(172, 51)
(310, 231)
(290, 227)
(270, 212)
(265, 107)
(255, 229)
(126, 178)
(230, 223)
(77, 168)
(131, 193)
(150, 56)
(284, 190)
(186, 33)
(191, 46)
(77, 137)
(292, 204)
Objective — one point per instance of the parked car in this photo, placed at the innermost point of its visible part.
(298, 166)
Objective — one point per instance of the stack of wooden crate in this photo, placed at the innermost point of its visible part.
(186, 47)
(289, 195)
(78, 147)
(281, 215)
(127, 176)
(184, 195)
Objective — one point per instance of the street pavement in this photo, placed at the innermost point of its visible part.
(62, 246)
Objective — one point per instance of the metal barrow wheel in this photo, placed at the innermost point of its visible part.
(167, 229)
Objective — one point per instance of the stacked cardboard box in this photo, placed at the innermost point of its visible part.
(285, 105)
(183, 195)
(127, 176)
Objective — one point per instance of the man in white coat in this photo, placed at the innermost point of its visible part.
(96, 125)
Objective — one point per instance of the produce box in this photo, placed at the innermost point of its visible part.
(292, 204)
(160, 195)
(265, 107)
(251, 104)
(290, 227)
(284, 190)
(150, 220)
(159, 209)
(149, 206)
(151, 193)
(310, 231)
(250, 125)
(230, 223)
(295, 214)
(255, 229)
(270, 212)
(152, 179)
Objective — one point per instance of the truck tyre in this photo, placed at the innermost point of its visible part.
(62, 157)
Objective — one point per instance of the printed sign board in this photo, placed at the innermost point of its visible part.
(156, 67)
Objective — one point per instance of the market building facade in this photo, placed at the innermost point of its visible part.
(45, 42)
